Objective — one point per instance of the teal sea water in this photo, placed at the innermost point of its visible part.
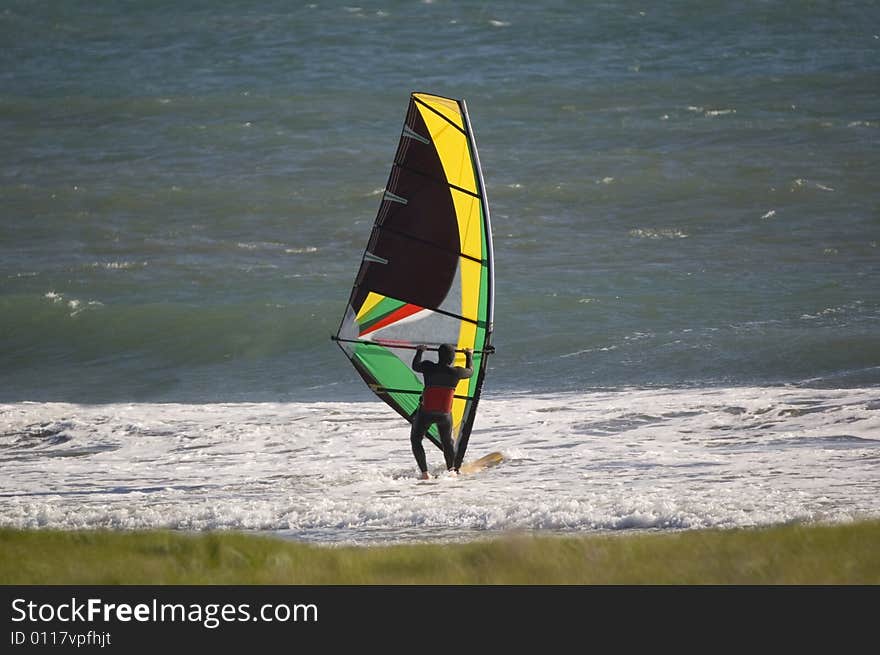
(686, 218)
(681, 195)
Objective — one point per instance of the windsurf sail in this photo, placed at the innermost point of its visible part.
(426, 276)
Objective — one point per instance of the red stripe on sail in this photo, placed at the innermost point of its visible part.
(396, 315)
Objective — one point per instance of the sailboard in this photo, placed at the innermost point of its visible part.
(481, 464)
(426, 276)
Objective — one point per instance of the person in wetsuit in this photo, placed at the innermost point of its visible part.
(435, 408)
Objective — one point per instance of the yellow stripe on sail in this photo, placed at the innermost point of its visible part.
(470, 223)
(446, 106)
(467, 333)
(452, 146)
(372, 300)
(470, 300)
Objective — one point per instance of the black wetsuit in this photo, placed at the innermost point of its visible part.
(440, 382)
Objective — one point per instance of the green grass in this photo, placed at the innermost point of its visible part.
(791, 554)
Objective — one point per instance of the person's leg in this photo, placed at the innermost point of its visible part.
(419, 427)
(444, 425)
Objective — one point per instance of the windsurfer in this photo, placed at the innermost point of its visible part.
(441, 378)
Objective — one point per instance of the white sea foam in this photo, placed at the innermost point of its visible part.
(74, 305)
(710, 113)
(120, 265)
(801, 183)
(343, 472)
(832, 311)
(260, 245)
(663, 233)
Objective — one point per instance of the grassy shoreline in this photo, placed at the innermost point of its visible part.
(798, 554)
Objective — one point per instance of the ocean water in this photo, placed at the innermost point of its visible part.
(686, 221)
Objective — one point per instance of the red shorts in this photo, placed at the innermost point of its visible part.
(437, 399)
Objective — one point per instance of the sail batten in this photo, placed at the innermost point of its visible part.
(404, 235)
(451, 186)
(439, 113)
(427, 273)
